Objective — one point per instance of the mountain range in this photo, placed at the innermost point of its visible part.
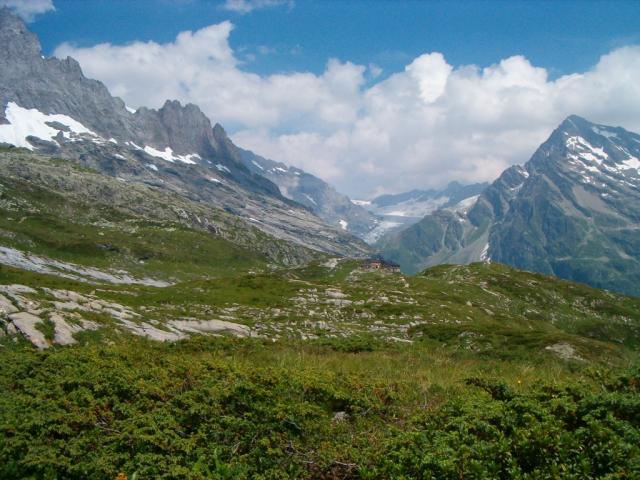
(398, 211)
(317, 195)
(50, 107)
(573, 210)
(174, 306)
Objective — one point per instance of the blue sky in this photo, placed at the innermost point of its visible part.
(562, 36)
(373, 96)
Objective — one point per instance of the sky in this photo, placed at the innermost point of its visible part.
(372, 96)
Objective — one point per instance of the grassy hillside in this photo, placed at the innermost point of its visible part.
(484, 310)
(477, 371)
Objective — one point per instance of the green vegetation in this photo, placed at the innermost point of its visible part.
(477, 394)
(216, 408)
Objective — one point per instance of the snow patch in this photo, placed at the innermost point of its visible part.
(343, 224)
(398, 213)
(190, 158)
(285, 192)
(152, 167)
(361, 203)
(411, 208)
(310, 199)
(578, 161)
(604, 132)
(168, 155)
(591, 168)
(32, 122)
(463, 206)
(586, 150)
(484, 255)
(129, 109)
(632, 162)
(222, 168)
(257, 165)
(383, 227)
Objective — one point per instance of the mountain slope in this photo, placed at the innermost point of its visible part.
(315, 194)
(50, 107)
(60, 212)
(573, 211)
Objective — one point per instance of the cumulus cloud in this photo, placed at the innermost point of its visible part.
(28, 9)
(247, 6)
(428, 124)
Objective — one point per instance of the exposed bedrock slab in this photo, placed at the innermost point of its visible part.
(6, 307)
(211, 326)
(26, 324)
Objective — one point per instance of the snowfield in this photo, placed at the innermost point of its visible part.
(24, 123)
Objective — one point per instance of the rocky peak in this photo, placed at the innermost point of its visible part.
(173, 148)
(588, 150)
(494, 200)
(173, 110)
(16, 41)
(186, 127)
(574, 124)
(220, 135)
(225, 145)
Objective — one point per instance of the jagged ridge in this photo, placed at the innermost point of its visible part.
(173, 148)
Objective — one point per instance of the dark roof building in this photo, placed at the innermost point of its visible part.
(379, 263)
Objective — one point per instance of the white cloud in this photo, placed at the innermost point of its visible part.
(28, 9)
(247, 6)
(422, 127)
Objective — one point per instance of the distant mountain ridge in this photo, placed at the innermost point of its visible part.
(50, 107)
(398, 211)
(315, 194)
(573, 210)
(453, 193)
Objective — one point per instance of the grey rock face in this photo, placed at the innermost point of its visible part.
(316, 195)
(572, 211)
(173, 148)
(6, 307)
(60, 312)
(36, 263)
